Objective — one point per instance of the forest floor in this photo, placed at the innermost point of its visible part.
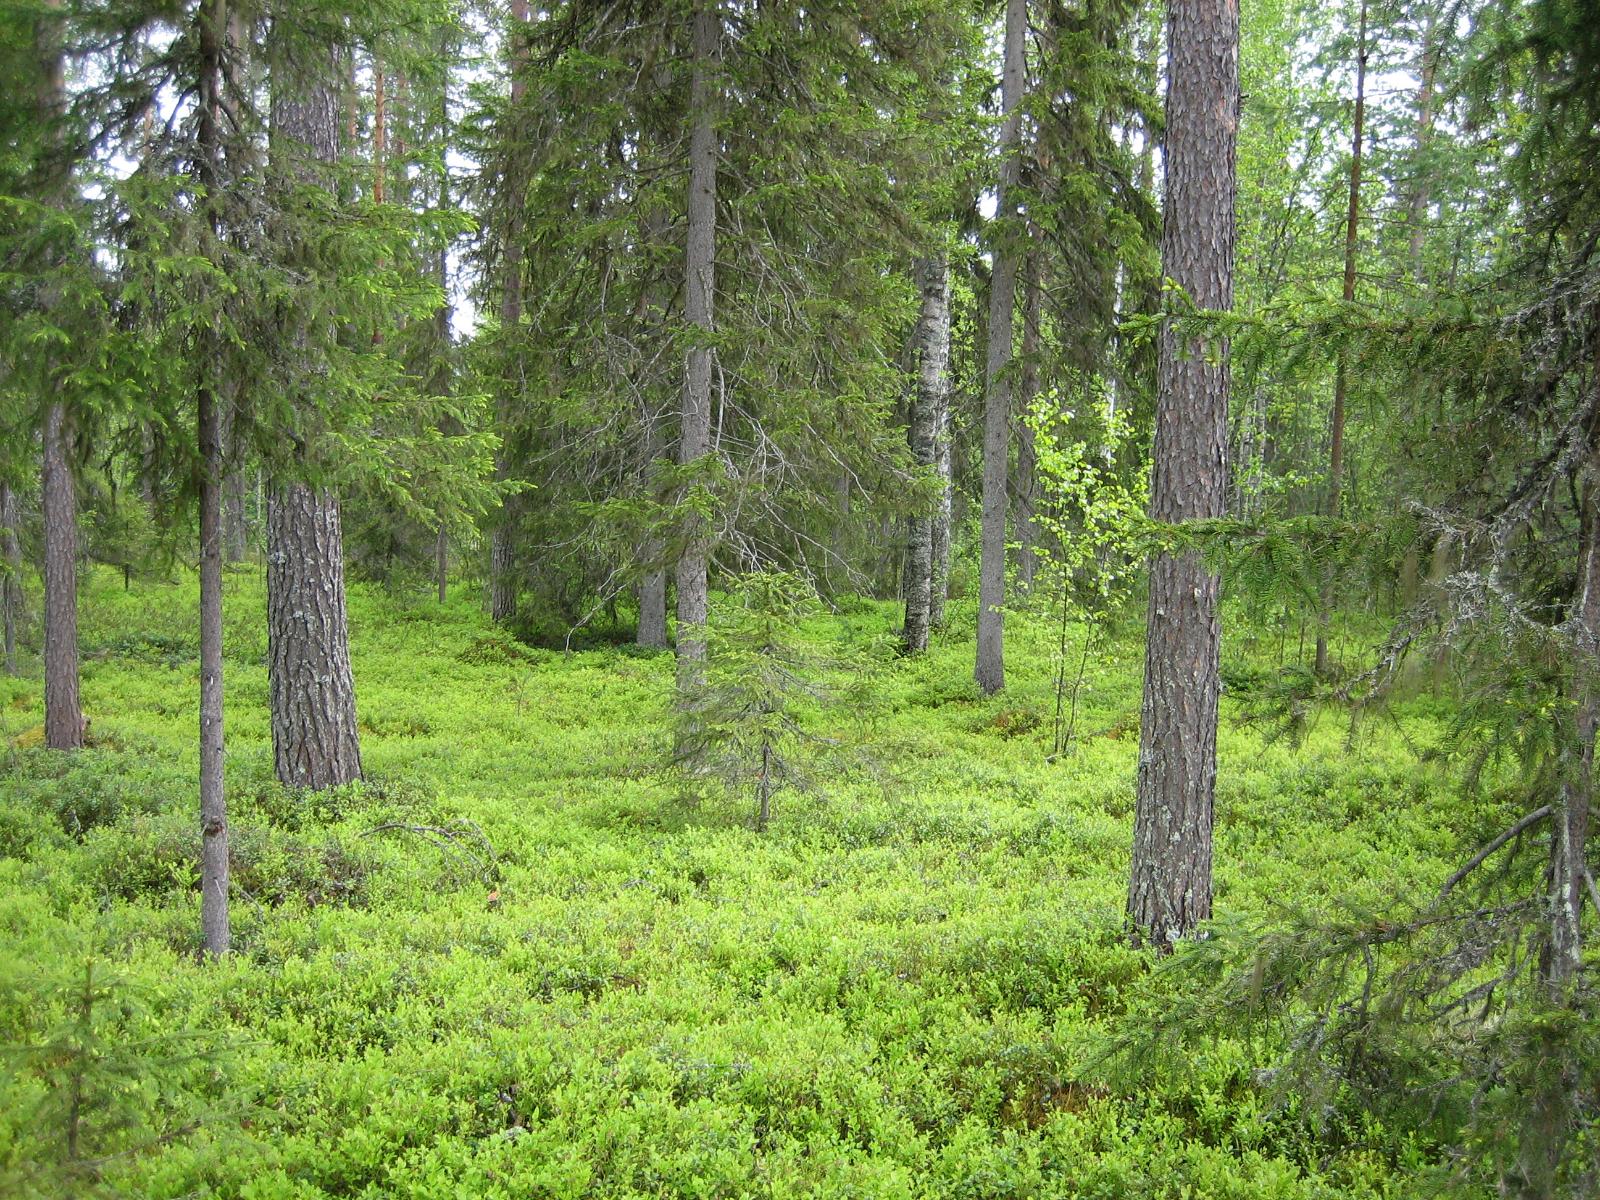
(529, 959)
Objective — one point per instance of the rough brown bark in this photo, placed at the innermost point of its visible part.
(694, 430)
(989, 670)
(1341, 372)
(933, 384)
(1169, 890)
(63, 713)
(315, 742)
(10, 568)
(502, 540)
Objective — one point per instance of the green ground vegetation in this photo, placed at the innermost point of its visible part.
(529, 957)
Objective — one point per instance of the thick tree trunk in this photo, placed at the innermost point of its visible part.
(1169, 889)
(933, 385)
(1027, 456)
(1341, 372)
(10, 573)
(694, 431)
(315, 742)
(63, 713)
(989, 669)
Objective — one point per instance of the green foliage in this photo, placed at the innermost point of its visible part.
(898, 989)
(746, 724)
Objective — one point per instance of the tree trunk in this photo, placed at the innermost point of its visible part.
(652, 630)
(63, 713)
(212, 21)
(694, 435)
(1027, 457)
(990, 670)
(10, 573)
(1341, 372)
(933, 385)
(315, 743)
(1169, 890)
(502, 541)
(213, 801)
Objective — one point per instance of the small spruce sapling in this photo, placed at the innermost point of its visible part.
(743, 724)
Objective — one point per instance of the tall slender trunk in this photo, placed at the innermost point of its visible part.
(502, 540)
(989, 669)
(1169, 888)
(1341, 372)
(315, 741)
(214, 921)
(215, 929)
(1027, 454)
(933, 358)
(63, 712)
(694, 433)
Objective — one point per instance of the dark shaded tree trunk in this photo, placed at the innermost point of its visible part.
(236, 529)
(63, 712)
(933, 385)
(989, 669)
(10, 573)
(694, 431)
(652, 630)
(315, 742)
(1169, 889)
(502, 540)
(1341, 374)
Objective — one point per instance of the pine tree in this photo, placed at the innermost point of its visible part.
(1169, 891)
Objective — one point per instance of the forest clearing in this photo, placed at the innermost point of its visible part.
(602, 982)
(885, 598)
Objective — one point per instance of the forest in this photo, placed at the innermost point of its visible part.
(758, 598)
